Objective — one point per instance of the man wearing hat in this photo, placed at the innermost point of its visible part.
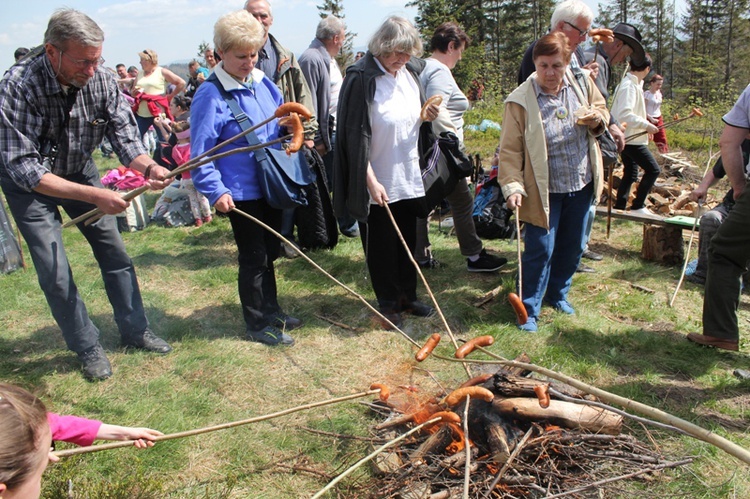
(627, 43)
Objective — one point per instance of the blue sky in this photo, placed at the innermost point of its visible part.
(175, 28)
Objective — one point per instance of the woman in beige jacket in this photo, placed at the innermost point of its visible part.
(550, 169)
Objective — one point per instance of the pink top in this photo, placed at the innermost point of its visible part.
(79, 431)
(181, 155)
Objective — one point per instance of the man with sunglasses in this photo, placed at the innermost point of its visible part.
(56, 106)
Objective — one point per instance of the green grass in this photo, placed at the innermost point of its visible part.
(622, 340)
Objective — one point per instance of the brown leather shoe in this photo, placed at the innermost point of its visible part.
(711, 341)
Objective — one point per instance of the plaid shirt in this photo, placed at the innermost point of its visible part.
(567, 143)
(33, 118)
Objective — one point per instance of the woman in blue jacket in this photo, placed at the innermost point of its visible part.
(232, 182)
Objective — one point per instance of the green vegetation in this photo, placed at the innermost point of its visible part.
(622, 340)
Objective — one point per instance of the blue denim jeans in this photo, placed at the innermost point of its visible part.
(550, 257)
(39, 220)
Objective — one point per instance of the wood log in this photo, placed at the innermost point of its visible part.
(662, 244)
(437, 442)
(508, 385)
(561, 413)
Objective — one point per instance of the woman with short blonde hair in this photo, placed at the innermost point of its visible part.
(234, 30)
(233, 181)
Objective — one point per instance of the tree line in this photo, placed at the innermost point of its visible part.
(699, 52)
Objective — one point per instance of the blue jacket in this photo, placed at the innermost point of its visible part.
(212, 122)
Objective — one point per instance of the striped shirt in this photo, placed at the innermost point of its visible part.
(33, 118)
(567, 143)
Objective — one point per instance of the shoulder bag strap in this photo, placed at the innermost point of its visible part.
(240, 116)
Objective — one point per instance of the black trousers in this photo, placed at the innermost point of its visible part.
(258, 249)
(634, 156)
(394, 278)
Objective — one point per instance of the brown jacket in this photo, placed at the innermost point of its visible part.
(523, 149)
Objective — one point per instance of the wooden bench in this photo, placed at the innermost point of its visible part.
(662, 237)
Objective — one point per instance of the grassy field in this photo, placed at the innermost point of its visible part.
(622, 340)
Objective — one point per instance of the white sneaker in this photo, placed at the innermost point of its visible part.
(642, 211)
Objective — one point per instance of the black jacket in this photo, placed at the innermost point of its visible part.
(354, 133)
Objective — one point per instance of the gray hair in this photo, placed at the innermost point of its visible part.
(328, 27)
(248, 2)
(571, 11)
(69, 24)
(396, 34)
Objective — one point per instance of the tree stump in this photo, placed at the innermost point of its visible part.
(662, 244)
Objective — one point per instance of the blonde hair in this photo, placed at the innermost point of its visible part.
(238, 30)
(23, 421)
(150, 55)
(396, 34)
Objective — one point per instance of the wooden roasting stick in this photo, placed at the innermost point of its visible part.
(694, 112)
(692, 235)
(190, 433)
(426, 285)
(283, 110)
(311, 262)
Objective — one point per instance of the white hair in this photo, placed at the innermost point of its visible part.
(571, 11)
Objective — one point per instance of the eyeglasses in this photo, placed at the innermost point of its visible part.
(580, 31)
(83, 63)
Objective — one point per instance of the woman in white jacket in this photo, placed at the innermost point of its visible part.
(629, 107)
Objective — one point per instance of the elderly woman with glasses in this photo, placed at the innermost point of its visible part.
(233, 182)
(551, 170)
(150, 91)
(376, 163)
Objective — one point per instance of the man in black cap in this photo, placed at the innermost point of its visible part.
(627, 43)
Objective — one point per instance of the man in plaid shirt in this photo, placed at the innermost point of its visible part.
(56, 106)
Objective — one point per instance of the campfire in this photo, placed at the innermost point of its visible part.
(527, 438)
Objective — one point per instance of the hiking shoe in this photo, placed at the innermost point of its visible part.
(712, 341)
(148, 341)
(96, 366)
(486, 263)
(287, 251)
(392, 316)
(564, 306)
(269, 335)
(432, 263)
(284, 322)
(590, 255)
(418, 309)
(530, 326)
(585, 269)
(696, 279)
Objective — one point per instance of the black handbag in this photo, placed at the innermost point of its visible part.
(608, 148)
(442, 163)
(283, 177)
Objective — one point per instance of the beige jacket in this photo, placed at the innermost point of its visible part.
(523, 149)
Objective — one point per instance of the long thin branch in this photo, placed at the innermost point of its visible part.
(311, 262)
(95, 214)
(190, 433)
(426, 284)
(371, 456)
(621, 477)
